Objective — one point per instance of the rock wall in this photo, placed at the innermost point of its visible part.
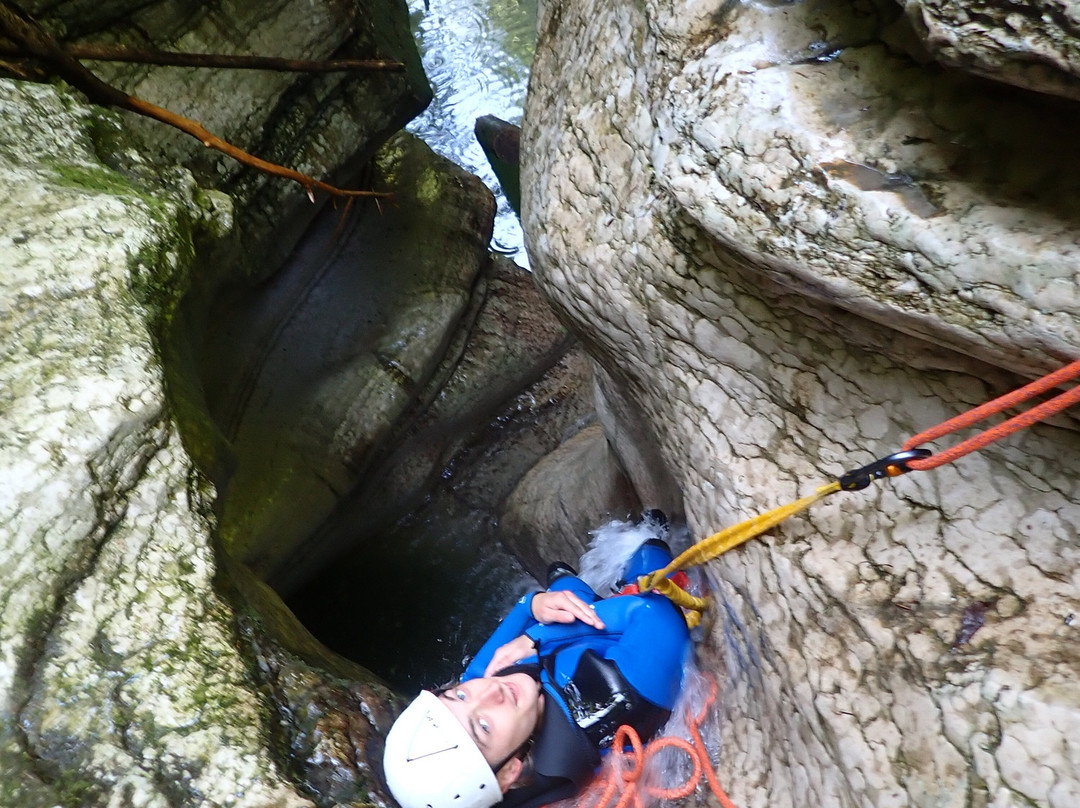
(143, 662)
(119, 672)
(790, 245)
(1034, 48)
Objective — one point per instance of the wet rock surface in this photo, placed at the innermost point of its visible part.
(120, 677)
(314, 375)
(327, 715)
(1034, 47)
(143, 662)
(424, 534)
(787, 259)
(786, 244)
(572, 490)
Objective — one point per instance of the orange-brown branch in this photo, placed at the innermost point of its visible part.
(23, 30)
(212, 141)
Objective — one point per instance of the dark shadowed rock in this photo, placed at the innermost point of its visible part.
(501, 142)
(1034, 47)
(569, 492)
(313, 376)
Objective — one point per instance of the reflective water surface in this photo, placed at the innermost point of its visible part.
(476, 55)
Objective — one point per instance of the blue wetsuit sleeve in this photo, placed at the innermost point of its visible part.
(512, 626)
(556, 635)
(518, 620)
(553, 635)
(644, 635)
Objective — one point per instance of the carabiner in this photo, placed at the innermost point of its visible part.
(892, 466)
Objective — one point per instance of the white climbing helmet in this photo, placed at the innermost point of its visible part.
(431, 762)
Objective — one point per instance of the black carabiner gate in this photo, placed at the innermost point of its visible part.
(892, 466)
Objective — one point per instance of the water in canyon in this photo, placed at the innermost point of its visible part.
(477, 55)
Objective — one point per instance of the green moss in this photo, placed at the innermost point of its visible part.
(428, 187)
(30, 783)
(96, 179)
(216, 207)
(389, 159)
(105, 129)
(161, 270)
(75, 790)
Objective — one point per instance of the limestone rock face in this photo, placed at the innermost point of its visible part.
(790, 247)
(1034, 47)
(385, 348)
(119, 678)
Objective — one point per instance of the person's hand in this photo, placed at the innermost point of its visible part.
(506, 655)
(563, 607)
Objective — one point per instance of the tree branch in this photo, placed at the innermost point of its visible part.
(123, 53)
(211, 141)
(37, 42)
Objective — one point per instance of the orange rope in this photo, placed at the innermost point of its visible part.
(623, 773)
(1014, 424)
(710, 774)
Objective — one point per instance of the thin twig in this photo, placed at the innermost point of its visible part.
(17, 26)
(123, 53)
(15, 69)
(211, 141)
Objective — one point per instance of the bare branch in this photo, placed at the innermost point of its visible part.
(37, 42)
(123, 53)
(310, 184)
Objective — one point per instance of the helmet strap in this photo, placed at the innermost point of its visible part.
(520, 752)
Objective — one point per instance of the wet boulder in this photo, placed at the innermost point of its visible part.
(121, 675)
(1034, 48)
(574, 489)
(315, 376)
(501, 142)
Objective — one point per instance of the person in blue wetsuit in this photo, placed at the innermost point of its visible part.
(543, 697)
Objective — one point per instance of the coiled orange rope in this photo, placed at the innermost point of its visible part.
(624, 777)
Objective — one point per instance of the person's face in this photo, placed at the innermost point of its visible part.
(498, 712)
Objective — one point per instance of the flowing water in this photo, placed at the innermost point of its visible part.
(477, 55)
